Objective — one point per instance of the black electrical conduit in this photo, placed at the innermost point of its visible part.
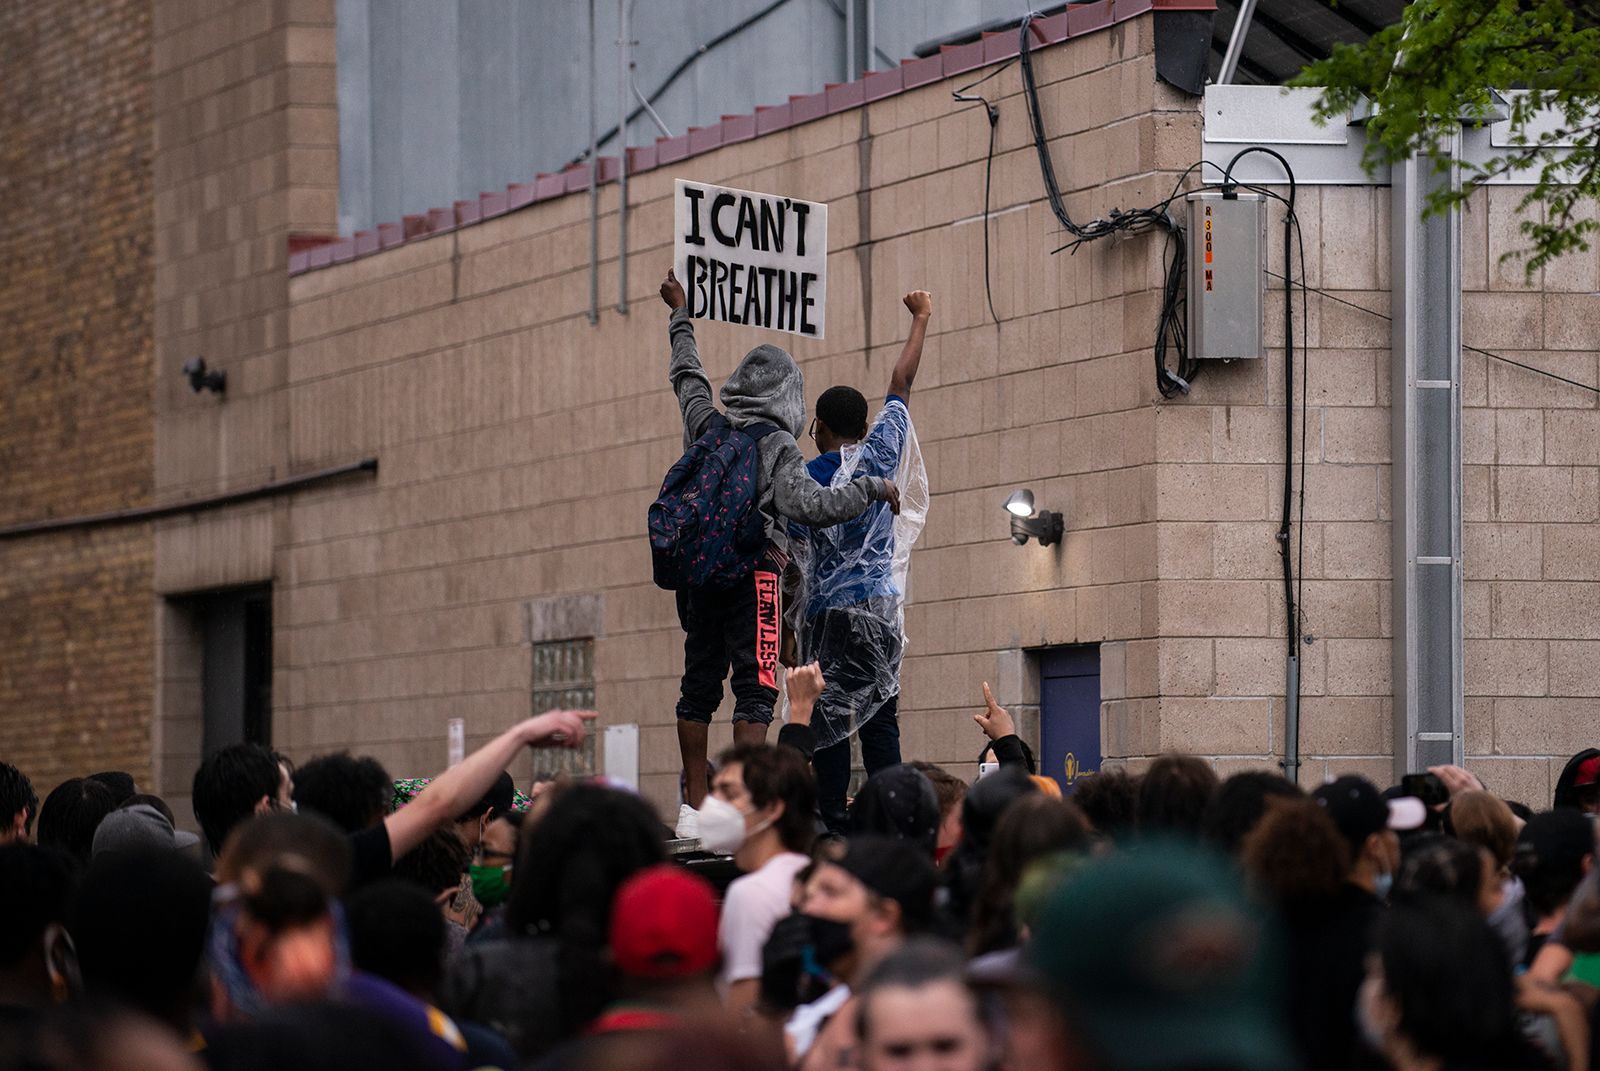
(227, 498)
(927, 48)
(1291, 734)
(1170, 325)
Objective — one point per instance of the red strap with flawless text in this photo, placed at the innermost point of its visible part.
(769, 618)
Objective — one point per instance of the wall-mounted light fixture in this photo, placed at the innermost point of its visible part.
(1044, 525)
(216, 380)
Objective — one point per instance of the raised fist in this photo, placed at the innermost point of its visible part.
(672, 291)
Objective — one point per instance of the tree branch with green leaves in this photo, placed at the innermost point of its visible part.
(1439, 65)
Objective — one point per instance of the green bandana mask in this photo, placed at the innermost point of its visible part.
(490, 884)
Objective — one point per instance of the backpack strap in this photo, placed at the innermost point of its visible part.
(759, 431)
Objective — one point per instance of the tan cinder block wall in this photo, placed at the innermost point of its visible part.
(1531, 492)
(520, 446)
(75, 429)
(1215, 682)
(1531, 496)
(246, 144)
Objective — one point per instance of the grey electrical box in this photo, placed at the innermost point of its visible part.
(1227, 275)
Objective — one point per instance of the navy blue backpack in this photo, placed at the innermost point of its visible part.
(706, 527)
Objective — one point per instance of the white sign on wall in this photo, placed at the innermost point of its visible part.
(622, 754)
(456, 736)
(752, 258)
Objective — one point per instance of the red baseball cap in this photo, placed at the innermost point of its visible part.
(1588, 772)
(664, 924)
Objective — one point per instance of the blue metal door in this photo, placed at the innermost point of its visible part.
(1069, 713)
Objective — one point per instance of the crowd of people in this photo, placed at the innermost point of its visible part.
(330, 916)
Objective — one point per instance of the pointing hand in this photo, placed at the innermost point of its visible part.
(994, 719)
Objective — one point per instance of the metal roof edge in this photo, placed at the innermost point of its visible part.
(1079, 20)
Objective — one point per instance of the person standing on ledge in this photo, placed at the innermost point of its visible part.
(854, 609)
(765, 399)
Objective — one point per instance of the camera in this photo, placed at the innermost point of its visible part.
(215, 380)
(1426, 787)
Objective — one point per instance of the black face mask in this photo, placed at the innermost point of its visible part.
(797, 960)
(830, 942)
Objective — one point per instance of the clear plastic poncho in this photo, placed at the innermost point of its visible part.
(848, 612)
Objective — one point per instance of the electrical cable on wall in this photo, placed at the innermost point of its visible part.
(1170, 326)
(1292, 218)
(1171, 334)
(1293, 572)
(646, 104)
(1305, 423)
(1590, 387)
(1284, 527)
(993, 112)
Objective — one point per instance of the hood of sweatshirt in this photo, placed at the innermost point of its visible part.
(767, 387)
(1567, 785)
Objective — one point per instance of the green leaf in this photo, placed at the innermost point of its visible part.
(1438, 64)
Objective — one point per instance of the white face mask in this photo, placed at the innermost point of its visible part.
(721, 826)
(987, 768)
(725, 833)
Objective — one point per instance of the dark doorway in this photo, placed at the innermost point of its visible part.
(235, 667)
(1069, 713)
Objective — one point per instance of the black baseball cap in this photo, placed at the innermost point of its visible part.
(893, 869)
(1557, 839)
(1359, 811)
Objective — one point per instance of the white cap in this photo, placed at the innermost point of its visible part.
(1407, 812)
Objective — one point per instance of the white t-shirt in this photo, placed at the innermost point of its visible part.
(808, 1019)
(752, 907)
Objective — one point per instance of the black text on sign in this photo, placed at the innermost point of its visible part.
(752, 258)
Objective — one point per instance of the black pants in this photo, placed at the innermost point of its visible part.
(880, 748)
(720, 631)
(855, 650)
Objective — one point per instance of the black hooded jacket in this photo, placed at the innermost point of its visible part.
(1566, 790)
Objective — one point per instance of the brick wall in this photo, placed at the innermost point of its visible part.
(75, 424)
(246, 137)
(159, 157)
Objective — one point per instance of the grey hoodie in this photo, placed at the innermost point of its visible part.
(767, 387)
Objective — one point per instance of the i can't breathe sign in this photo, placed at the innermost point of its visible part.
(752, 258)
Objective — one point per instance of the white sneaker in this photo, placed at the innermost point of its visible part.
(688, 823)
